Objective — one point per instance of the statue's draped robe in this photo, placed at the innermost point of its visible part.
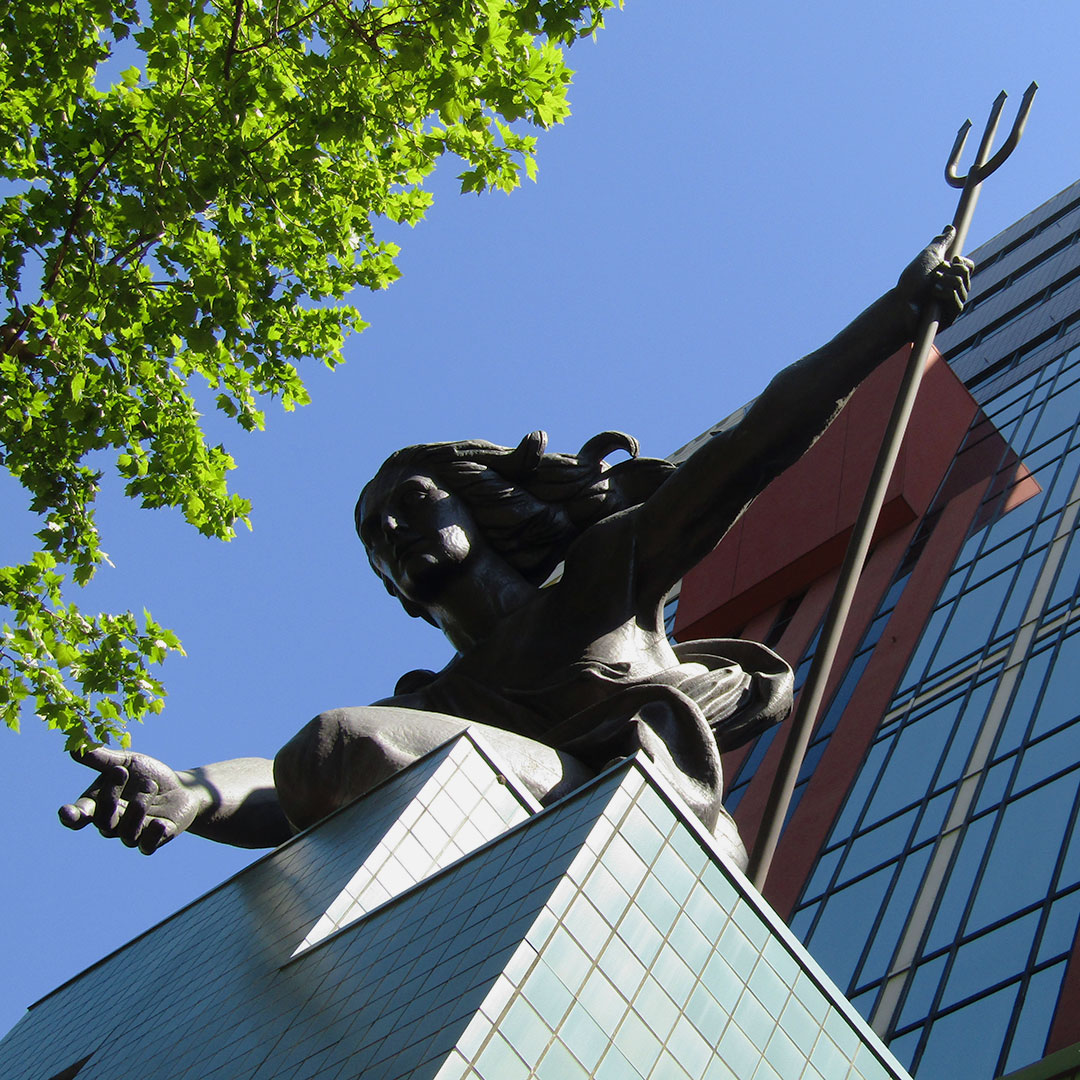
(722, 693)
(716, 696)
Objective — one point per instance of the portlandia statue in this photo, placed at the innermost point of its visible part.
(562, 672)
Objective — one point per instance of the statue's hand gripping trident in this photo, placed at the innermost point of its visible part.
(813, 691)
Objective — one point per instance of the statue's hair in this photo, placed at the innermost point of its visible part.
(531, 505)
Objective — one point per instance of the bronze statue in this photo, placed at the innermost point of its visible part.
(561, 676)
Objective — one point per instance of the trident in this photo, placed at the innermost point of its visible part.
(813, 691)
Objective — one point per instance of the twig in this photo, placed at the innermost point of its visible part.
(234, 36)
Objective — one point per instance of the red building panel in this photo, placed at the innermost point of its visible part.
(797, 529)
(765, 559)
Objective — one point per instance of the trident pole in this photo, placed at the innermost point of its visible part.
(813, 691)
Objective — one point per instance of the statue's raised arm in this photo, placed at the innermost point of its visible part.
(702, 500)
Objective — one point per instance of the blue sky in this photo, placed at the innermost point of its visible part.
(737, 181)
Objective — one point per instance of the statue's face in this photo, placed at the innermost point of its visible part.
(417, 534)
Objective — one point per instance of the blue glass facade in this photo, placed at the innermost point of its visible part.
(953, 847)
(946, 897)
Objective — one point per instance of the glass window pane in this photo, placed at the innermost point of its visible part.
(953, 584)
(1003, 555)
(1070, 868)
(1059, 487)
(856, 800)
(843, 694)
(823, 871)
(1022, 437)
(973, 613)
(991, 959)
(1014, 394)
(878, 845)
(894, 917)
(864, 1003)
(971, 548)
(1029, 837)
(994, 785)
(1012, 614)
(846, 919)
(1048, 757)
(801, 920)
(916, 752)
(904, 1047)
(1023, 703)
(933, 816)
(1065, 585)
(1040, 1000)
(927, 644)
(1060, 701)
(1007, 411)
(921, 991)
(968, 1041)
(1044, 532)
(954, 899)
(1060, 930)
(1069, 360)
(1021, 518)
(1049, 451)
(1059, 413)
(966, 732)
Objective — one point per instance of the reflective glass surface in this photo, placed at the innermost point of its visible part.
(983, 734)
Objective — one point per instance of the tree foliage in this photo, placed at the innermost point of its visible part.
(190, 190)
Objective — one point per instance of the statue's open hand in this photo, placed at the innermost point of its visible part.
(930, 276)
(137, 798)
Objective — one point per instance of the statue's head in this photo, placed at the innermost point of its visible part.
(526, 505)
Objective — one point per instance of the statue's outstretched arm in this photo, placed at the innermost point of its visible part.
(690, 513)
(144, 803)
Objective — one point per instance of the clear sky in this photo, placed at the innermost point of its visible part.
(737, 181)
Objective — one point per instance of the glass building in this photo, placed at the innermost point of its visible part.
(932, 860)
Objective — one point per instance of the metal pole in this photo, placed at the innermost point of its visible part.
(813, 691)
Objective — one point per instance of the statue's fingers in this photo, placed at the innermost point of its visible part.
(109, 802)
(101, 757)
(77, 815)
(950, 286)
(959, 288)
(131, 823)
(157, 831)
(959, 270)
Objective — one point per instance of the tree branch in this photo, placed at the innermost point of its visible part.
(143, 240)
(234, 36)
(76, 213)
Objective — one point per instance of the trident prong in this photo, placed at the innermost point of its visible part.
(983, 165)
(954, 157)
(813, 690)
(983, 168)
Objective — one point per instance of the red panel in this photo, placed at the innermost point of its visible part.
(793, 538)
(835, 773)
(797, 529)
